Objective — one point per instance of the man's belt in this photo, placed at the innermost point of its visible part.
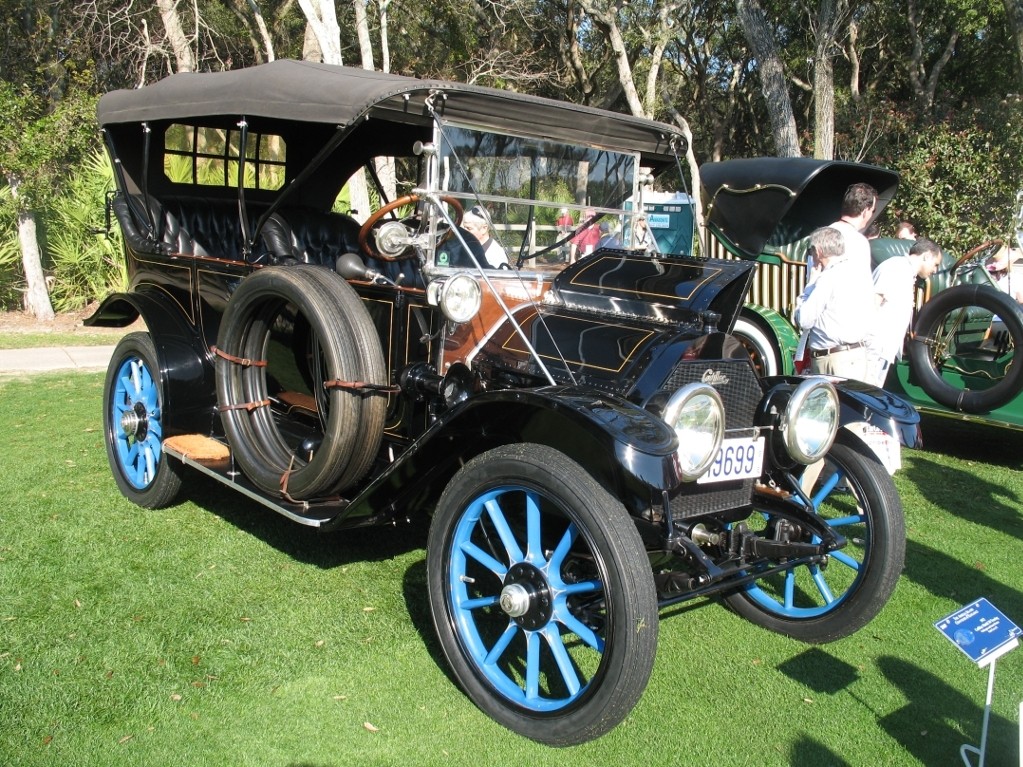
(818, 353)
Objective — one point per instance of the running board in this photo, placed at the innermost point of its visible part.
(222, 468)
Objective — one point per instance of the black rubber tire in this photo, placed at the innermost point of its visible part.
(344, 346)
(612, 619)
(928, 351)
(133, 405)
(861, 577)
(762, 350)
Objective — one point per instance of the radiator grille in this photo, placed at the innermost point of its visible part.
(741, 392)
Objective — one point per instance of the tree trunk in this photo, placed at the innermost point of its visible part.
(385, 48)
(827, 25)
(183, 56)
(268, 44)
(1014, 17)
(37, 298)
(362, 30)
(758, 34)
(321, 16)
(925, 85)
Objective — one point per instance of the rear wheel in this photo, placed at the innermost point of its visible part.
(855, 496)
(133, 417)
(542, 595)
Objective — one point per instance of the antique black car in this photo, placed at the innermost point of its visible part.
(591, 442)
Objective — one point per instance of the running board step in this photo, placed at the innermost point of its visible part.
(213, 458)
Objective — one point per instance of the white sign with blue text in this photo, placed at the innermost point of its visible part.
(980, 629)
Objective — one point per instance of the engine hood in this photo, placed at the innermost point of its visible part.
(620, 322)
(667, 291)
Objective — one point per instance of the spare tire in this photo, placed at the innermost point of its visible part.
(952, 347)
(289, 330)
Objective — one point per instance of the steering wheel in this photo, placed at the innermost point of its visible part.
(370, 249)
(979, 254)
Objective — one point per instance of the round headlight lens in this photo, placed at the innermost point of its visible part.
(460, 297)
(810, 421)
(696, 414)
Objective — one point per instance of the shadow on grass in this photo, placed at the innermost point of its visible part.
(973, 441)
(306, 544)
(967, 494)
(947, 577)
(819, 671)
(807, 752)
(938, 718)
(414, 590)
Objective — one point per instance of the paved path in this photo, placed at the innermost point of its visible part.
(84, 358)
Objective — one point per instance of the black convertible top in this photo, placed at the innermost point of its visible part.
(751, 202)
(323, 93)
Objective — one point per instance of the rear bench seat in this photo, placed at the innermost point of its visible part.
(210, 227)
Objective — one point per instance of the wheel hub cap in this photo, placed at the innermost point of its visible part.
(133, 422)
(526, 596)
(515, 600)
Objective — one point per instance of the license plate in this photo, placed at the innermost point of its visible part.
(738, 458)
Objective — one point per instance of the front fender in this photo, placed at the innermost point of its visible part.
(628, 450)
(863, 403)
(189, 384)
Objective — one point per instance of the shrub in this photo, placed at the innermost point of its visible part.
(87, 261)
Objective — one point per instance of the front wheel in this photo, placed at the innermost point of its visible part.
(133, 402)
(541, 594)
(823, 602)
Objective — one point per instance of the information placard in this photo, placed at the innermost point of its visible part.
(980, 630)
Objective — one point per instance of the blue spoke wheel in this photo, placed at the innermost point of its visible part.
(853, 493)
(133, 421)
(542, 595)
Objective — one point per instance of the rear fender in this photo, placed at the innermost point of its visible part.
(780, 329)
(185, 367)
(628, 450)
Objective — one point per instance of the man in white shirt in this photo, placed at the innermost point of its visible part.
(835, 308)
(895, 294)
(858, 206)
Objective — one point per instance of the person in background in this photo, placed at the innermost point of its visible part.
(905, 231)
(477, 223)
(858, 206)
(834, 310)
(563, 226)
(586, 239)
(999, 266)
(895, 296)
(608, 238)
(643, 236)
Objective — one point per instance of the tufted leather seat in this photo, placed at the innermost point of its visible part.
(206, 227)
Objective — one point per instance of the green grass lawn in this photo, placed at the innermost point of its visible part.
(217, 633)
(57, 339)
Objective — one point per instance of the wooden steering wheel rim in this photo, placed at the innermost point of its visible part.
(408, 199)
(972, 253)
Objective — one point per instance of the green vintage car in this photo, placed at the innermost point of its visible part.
(959, 353)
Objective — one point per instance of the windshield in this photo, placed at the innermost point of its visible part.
(537, 195)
